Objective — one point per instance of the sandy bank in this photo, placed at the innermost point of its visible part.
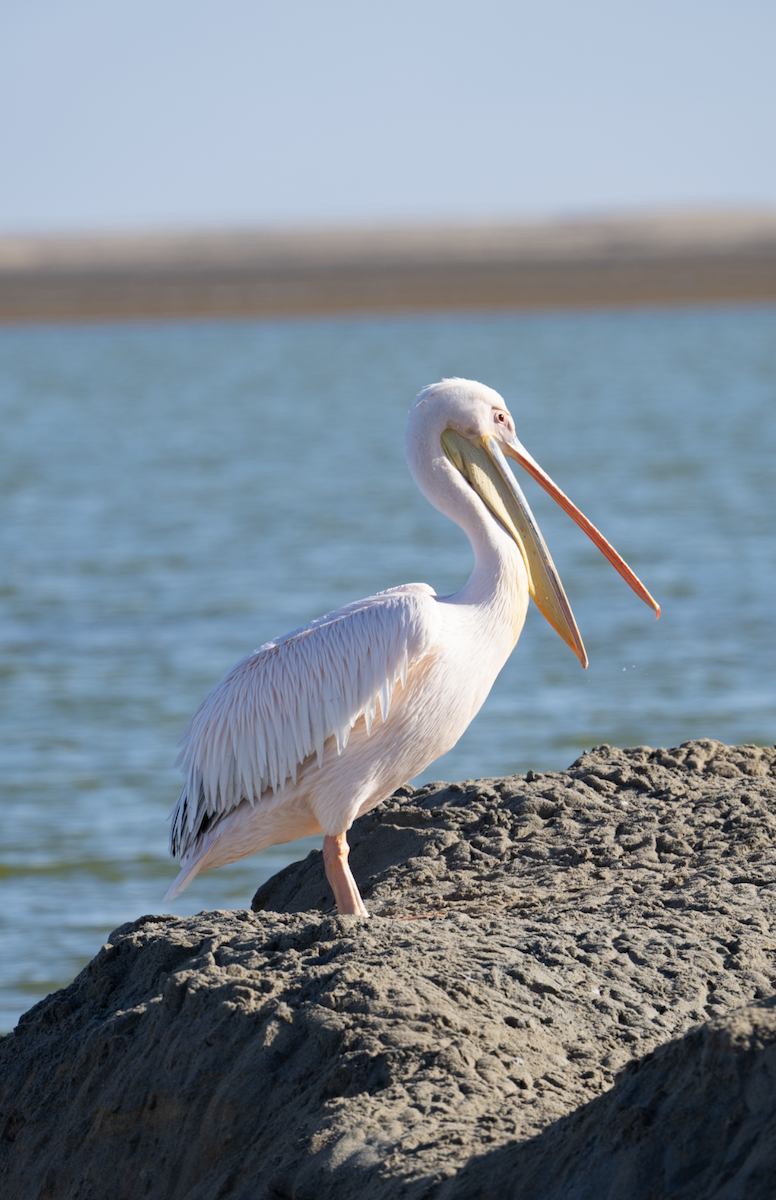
(594, 1016)
(653, 259)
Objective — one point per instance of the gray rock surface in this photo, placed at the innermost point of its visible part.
(696, 1119)
(614, 918)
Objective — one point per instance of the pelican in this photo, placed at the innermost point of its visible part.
(319, 726)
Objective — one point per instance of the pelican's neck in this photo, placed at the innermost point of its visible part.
(496, 594)
(498, 564)
(499, 581)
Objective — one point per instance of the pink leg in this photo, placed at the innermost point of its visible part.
(340, 877)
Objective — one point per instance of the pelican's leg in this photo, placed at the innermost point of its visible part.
(340, 876)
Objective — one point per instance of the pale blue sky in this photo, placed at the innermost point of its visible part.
(192, 113)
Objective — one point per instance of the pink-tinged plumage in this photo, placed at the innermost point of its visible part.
(317, 727)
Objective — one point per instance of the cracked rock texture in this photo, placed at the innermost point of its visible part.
(592, 1016)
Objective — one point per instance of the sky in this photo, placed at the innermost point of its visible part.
(197, 113)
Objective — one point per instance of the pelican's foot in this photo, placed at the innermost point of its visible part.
(340, 876)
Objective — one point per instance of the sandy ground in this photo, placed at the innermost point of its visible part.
(593, 1016)
(658, 258)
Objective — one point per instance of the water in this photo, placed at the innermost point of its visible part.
(173, 496)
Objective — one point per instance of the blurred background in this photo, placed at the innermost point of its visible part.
(235, 240)
(188, 113)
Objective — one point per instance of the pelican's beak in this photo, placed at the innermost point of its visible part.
(483, 464)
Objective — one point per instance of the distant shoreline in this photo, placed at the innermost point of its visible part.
(663, 259)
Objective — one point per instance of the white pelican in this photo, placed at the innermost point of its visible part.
(319, 726)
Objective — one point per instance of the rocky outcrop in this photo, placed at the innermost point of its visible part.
(591, 1016)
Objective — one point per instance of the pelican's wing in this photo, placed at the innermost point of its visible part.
(279, 705)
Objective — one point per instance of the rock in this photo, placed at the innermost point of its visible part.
(695, 1119)
(591, 1017)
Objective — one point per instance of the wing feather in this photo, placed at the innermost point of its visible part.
(278, 706)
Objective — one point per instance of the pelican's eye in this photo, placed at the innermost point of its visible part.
(501, 418)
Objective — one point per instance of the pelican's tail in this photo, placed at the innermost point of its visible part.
(183, 879)
(197, 859)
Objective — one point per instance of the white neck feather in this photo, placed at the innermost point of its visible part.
(499, 580)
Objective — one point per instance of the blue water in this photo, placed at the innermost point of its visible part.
(172, 496)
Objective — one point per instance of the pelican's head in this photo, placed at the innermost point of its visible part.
(475, 431)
